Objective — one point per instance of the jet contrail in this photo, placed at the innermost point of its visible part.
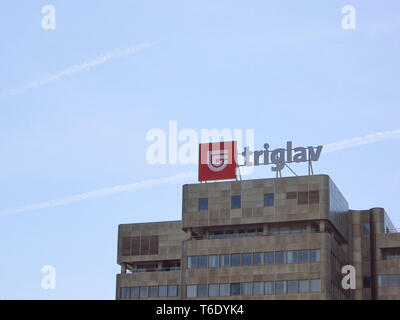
(103, 58)
(101, 193)
(359, 141)
(331, 147)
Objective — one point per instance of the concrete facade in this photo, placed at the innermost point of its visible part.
(282, 238)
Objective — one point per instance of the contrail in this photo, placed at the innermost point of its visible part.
(359, 141)
(101, 193)
(331, 147)
(103, 58)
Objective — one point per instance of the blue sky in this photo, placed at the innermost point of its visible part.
(286, 69)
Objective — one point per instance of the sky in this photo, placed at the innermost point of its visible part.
(77, 102)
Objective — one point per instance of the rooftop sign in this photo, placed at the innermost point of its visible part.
(218, 160)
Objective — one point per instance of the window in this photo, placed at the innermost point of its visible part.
(315, 285)
(236, 202)
(383, 281)
(225, 260)
(162, 291)
(269, 258)
(269, 200)
(393, 280)
(153, 291)
(191, 291)
(135, 292)
(269, 287)
(192, 262)
(303, 256)
(366, 255)
(280, 257)
(258, 258)
(144, 292)
(313, 196)
(366, 229)
(292, 286)
(304, 286)
(246, 288)
(172, 291)
(202, 290)
(213, 261)
(246, 259)
(213, 290)
(280, 287)
(302, 198)
(235, 289)
(315, 255)
(203, 204)
(292, 256)
(124, 293)
(367, 282)
(235, 259)
(258, 288)
(224, 290)
(203, 261)
(291, 195)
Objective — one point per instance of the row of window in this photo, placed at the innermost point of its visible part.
(253, 288)
(388, 280)
(150, 291)
(256, 258)
(306, 197)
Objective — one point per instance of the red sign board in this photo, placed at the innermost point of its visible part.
(217, 160)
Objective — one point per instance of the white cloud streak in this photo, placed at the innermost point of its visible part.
(360, 141)
(103, 58)
(331, 147)
(101, 193)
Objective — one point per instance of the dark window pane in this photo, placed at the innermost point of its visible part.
(303, 256)
(247, 288)
(225, 260)
(191, 291)
(124, 293)
(280, 257)
(315, 256)
(235, 289)
(292, 286)
(258, 258)
(224, 290)
(162, 291)
(258, 288)
(235, 259)
(269, 258)
(269, 287)
(144, 245)
(393, 280)
(236, 202)
(213, 290)
(135, 292)
(315, 285)
(144, 292)
(192, 262)
(246, 259)
(269, 200)
(366, 229)
(302, 198)
(304, 286)
(203, 261)
(202, 290)
(153, 291)
(313, 196)
(291, 195)
(203, 204)
(367, 282)
(172, 291)
(280, 287)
